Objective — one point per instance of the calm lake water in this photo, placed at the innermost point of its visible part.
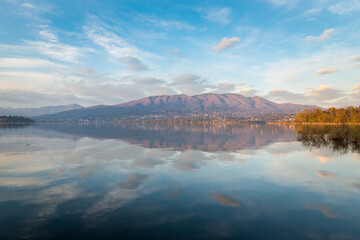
(157, 181)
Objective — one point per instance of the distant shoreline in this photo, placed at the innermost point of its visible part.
(155, 121)
(306, 123)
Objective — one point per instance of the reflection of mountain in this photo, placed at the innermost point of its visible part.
(211, 137)
(13, 125)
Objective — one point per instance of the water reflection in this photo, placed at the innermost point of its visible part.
(133, 181)
(325, 210)
(204, 137)
(338, 138)
(225, 200)
(326, 174)
(179, 182)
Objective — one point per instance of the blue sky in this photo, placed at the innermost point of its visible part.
(107, 52)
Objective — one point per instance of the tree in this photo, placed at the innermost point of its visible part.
(332, 115)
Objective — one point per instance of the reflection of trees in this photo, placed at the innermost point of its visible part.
(339, 138)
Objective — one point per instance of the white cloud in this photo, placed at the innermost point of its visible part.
(247, 92)
(191, 84)
(356, 87)
(325, 93)
(226, 43)
(226, 87)
(134, 64)
(327, 70)
(16, 79)
(220, 15)
(324, 36)
(106, 89)
(25, 79)
(282, 95)
(27, 98)
(148, 81)
(27, 5)
(356, 59)
(186, 78)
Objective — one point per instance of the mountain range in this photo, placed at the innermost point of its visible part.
(31, 112)
(168, 106)
(211, 102)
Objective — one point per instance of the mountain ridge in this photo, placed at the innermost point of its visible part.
(208, 101)
(229, 104)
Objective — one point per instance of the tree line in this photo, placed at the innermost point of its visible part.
(14, 119)
(331, 115)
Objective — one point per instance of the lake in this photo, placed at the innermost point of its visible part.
(182, 181)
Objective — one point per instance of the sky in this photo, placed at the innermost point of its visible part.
(108, 52)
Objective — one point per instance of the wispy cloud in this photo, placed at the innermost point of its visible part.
(226, 87)
(300, 71)
(27, 5)
(324, 36)
(34, 12)
(113, 44)
(327, 70)
(134, 64)
(26, 63)
(161, 23)
(58, 51)
(176, 52)
(291, 3)
(226, 43)
(312, 11)
(324, 95)
(48, 36)
(216, 14)
(345, 7)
